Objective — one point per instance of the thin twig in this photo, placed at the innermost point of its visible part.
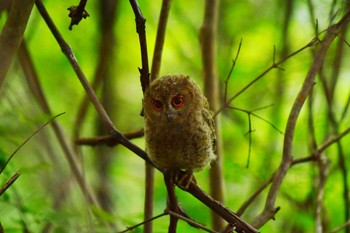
(108, 140)
(258, 191)
(144, 222)
(9, 183)
(287, 159)
(190, 221)
(310, 158)
(313, 42)
(250, 131)
(341, 227)
(27, 139)
(35, 87)
(251, 112)
(234, 61)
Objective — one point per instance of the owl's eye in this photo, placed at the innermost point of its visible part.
(157, 105)
(177, 101)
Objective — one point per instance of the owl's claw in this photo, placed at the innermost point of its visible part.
(183, 179)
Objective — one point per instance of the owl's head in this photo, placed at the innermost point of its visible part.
(172, 98)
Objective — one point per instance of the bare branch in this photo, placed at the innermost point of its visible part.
(25, 141)
(12, 33)
(77, 13)
(144, 222)
(156, 63)
(36, 89)
(323, 167)
(9, 183)
(313, 42)
(190, 221)
(140, 28)
(71, 57)
(234, 61)
(240, 225)
(172, 203)
(208, 40)
(310, 158)
(287, 158)
(158, 48)
(341, 227)
(108, 140)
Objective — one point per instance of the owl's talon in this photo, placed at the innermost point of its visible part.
(183, 179)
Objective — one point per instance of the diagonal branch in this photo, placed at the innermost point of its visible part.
(12, 33)
(35, 87)
(92, 96)
(25, 141)
(8, 184)
(287, 158)
(238, 224)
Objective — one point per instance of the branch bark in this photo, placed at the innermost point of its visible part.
(35, 87)
(156, 63)
(141, 30)
(237, 223)
(211, 90)
(287, 158)
(12, 33)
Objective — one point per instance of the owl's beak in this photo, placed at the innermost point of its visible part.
(171, 116)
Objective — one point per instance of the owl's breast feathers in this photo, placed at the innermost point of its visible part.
(187, 145)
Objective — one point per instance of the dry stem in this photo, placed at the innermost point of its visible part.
(12, 33)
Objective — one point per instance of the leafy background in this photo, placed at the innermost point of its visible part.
(46, 193)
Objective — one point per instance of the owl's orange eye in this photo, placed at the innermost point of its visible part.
(177, 101)
(157, 105)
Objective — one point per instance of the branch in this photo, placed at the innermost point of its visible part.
(208, 40)
(144, 222)
(189, 221)
(108, 140)
(92, 96)
(275, 65)
(341, 227)
(156, 62)
(77, 13)
(239, 225)
(140, 29)
(8, 184)
(27, 139)
(12, 33)
(71, 57)
(234, 61)
(287, 158)
(323, 167)
(35, 87)
(172, 203)
(159, 44)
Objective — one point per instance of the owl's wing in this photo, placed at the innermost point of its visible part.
(209, 120)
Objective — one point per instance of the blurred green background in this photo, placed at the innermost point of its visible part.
(46, 194)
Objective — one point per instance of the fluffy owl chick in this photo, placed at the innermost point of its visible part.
(179, 127)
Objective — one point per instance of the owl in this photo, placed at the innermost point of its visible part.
(179, 126)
